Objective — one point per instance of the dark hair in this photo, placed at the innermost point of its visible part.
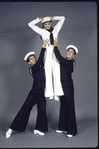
(73, 50)
(30, 56)
(43, 27)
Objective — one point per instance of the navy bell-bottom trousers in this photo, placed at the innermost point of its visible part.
(67, 118)
(20, 121)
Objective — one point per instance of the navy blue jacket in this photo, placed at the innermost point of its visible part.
(66, 68)
(37, 72)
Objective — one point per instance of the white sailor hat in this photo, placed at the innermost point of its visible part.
(73, 47)
(46, 19)
(28, 54)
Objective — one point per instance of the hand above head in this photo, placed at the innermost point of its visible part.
(45, 42)
(52, 18)
(41, 19)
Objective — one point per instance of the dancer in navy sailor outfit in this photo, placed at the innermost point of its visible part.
(35, 96)
(67, 118)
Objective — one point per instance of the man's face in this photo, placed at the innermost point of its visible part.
(47, 25)
(70, 54)
(32, 60)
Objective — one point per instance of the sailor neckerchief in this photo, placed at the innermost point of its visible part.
(51, 35)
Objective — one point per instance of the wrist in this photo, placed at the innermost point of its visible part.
(43, 46)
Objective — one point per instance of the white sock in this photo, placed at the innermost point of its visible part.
(8, 133)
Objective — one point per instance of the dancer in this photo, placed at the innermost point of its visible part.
(51, 64)
(35, 96)
(67, 118)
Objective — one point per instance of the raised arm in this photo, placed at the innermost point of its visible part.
(41, 56)
(59, 25)
(62, 60)
(33, 26)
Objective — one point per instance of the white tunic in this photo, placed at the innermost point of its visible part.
(51, 64)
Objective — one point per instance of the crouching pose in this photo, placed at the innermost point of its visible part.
(67, 118)
(35, 96)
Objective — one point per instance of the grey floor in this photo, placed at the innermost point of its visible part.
(87, 135)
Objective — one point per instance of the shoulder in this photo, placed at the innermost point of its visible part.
(30, 70)
(73, 60)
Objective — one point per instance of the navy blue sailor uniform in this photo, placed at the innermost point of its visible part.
(35, 96)
(67, 117)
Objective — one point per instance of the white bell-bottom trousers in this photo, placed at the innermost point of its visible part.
(53, 86)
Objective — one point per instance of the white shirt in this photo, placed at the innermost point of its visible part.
(43, 32)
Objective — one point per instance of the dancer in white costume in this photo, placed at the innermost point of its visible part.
(53, 86)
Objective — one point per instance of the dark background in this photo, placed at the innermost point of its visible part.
(17, 39)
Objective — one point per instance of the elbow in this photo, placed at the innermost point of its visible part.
(63, 18)
(29, 24)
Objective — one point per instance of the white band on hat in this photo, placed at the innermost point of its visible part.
(46, 19)
(28, 54)
(73, 47)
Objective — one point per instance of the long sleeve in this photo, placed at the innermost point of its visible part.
(41, 57)
(63, 61)
(59, 25)
(34, 27)
(39, 62)
(37, 72)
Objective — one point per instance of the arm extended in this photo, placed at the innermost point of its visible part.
(62, 60)
(41, 56)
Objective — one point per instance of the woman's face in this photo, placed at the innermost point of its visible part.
(47, 25)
